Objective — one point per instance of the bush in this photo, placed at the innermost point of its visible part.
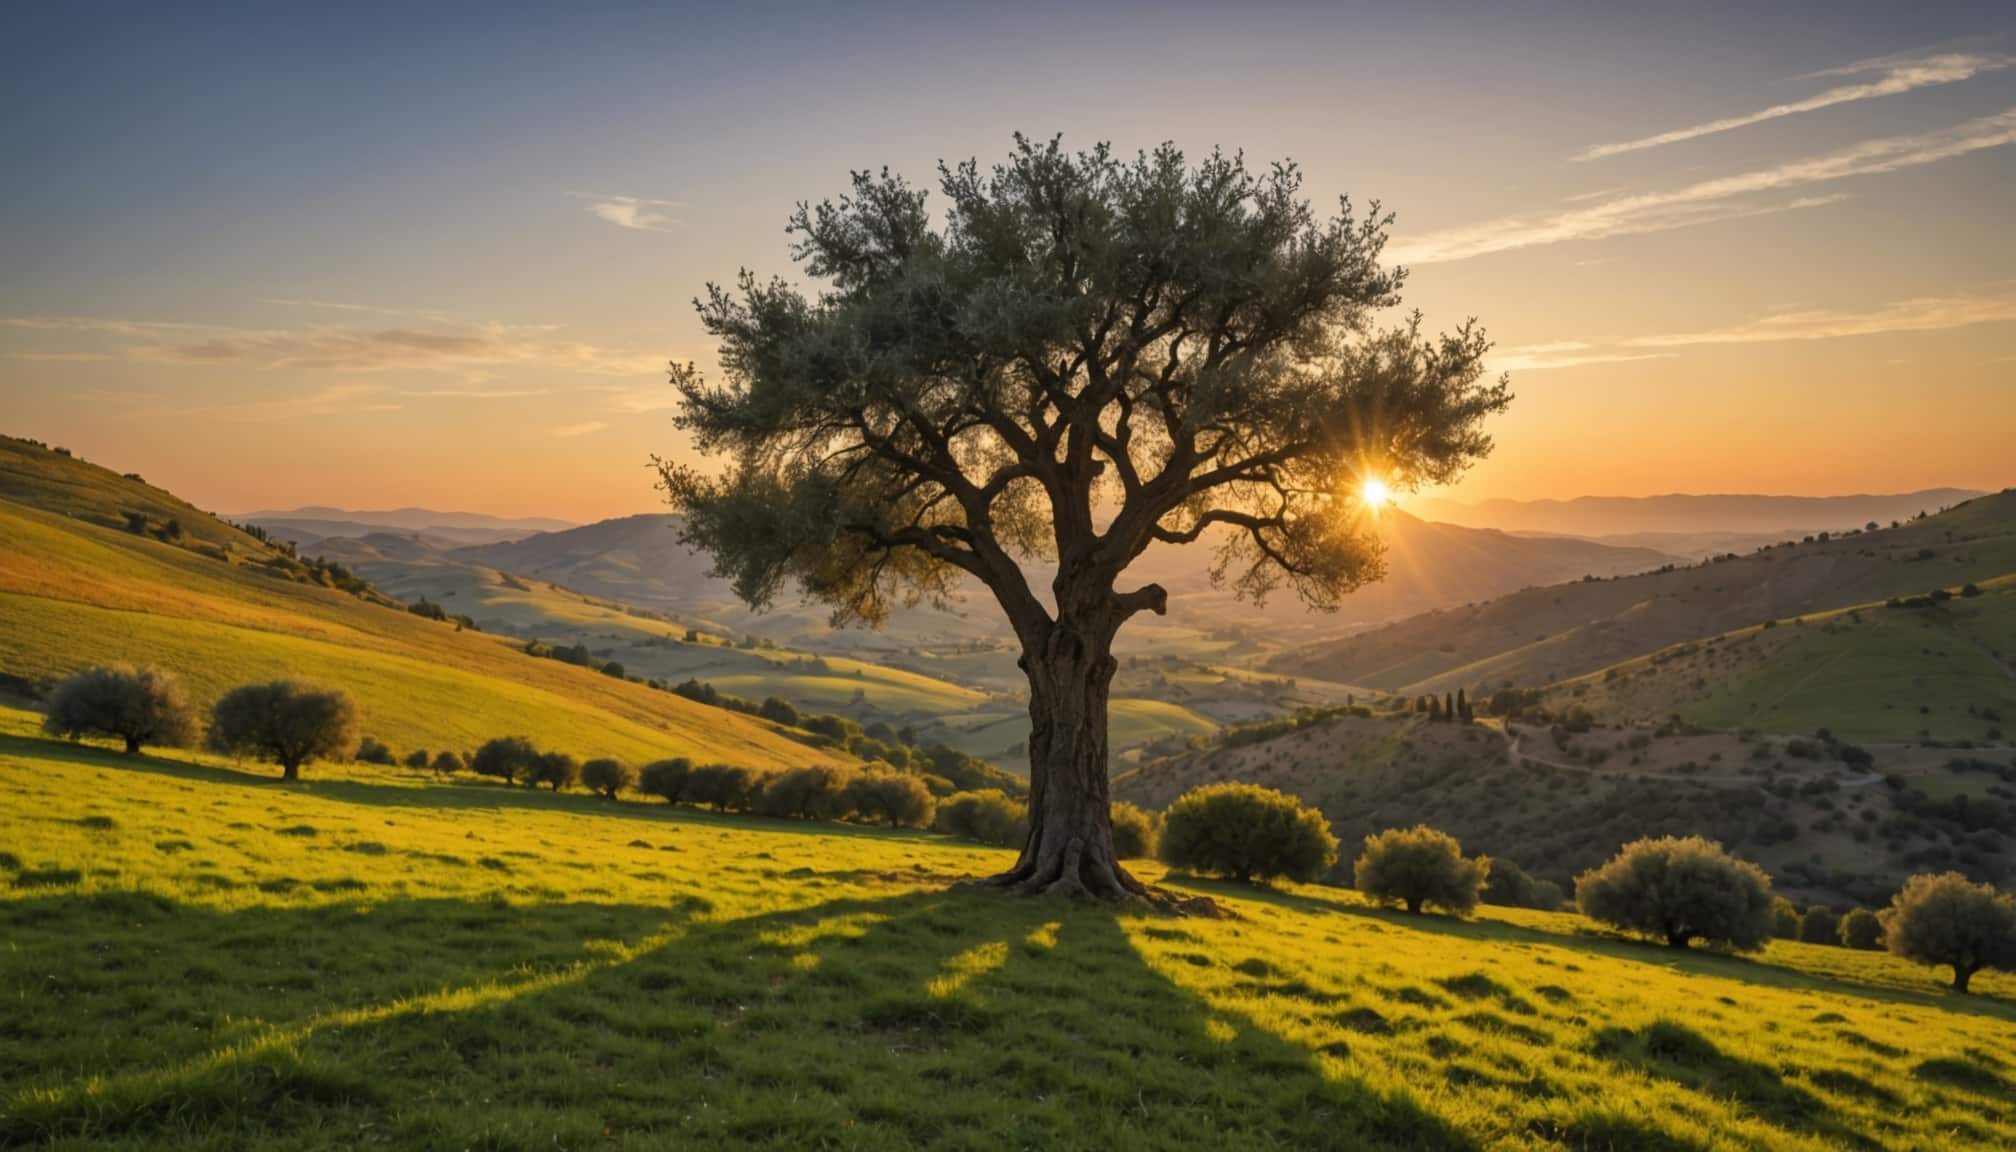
(1820, 925)
(728, 787)
(1784, 919)
(557, 769)
(779, 710)
(901, 800)
(418, 759)
(670, 780)
(138, 706)
(1247, 832)
(1507, 885)
(1419, 866)
(374, 751)
(1135, 831)
(607, 776)
(286, 722)
(815, 793)
(1682, 890)
(1861, 929)
(447, 763)
(1947, 919)
(505, 758)
(990, 816)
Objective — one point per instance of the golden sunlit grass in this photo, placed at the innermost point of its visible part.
(196, 956)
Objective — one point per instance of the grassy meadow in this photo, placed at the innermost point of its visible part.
(195, 956)
(74, 593)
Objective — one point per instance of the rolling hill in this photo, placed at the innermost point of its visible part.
(1538, 636)
(1613, 516)
(197, 958)
(220, 607)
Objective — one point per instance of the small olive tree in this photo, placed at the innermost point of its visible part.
(1861, 929)
(608, 776)
(670, 780)
(1820, 925)
(557, 770)
(902, 801)
(448, 763)
(813, 793)
(138, 706)
(286, 722)
(505, 758)
(1135, 831)
(1248, 833)
(728, 787)
(1419, 866)
(1681, 889)
(1948, 919)
(989, 815)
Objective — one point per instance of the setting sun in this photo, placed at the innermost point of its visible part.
(1374, 493)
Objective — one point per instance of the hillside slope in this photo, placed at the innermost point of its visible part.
(198, 958)
(74, 592)
(1541, 635)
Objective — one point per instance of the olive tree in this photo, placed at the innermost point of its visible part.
(137, 706)
(286, 722)
(1089, 357)
(1248, 833)
(1681, 889)
(1947, 919)
(608, 776)
(1418, 866)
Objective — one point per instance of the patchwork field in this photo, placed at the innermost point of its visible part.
(196, 956)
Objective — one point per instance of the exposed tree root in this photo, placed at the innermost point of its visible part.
(1073, 873)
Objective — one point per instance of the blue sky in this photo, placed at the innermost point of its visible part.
(428, 254)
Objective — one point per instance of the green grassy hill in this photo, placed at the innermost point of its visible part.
(1543, 635)
(76, 591)
(1944, 671)
(197, 957)
(1560, 801)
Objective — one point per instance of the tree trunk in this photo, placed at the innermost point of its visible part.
(1070, 847)
(1960, 978)
(290, 771)
(132, 745)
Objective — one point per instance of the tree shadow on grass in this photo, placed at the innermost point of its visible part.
(1693, 961)
(948, 1019)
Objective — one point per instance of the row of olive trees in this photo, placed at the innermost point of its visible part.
(281, 721)
(1677, 889)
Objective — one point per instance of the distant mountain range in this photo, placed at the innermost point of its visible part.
(1612, 516)
(308, 526)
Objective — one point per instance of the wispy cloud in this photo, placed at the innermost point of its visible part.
(1920, 314)
(460, 349)
(1722, 198)
(347, 399)
(635, 212)
(581, 429)
(1896, 77)
(1566, 354)
(433, 314)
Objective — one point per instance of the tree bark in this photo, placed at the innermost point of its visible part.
(1960, 978)
(1069, 851)
(132, 745)
(290, 772)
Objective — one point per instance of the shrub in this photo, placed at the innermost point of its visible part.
(728, 787)
(607, 776)
(1784, 919)
(1861, 929)
(1820, 925)
(779, 710)
(901, 800)
(1419, 866)
(1947, 919)
(374, 751)
(138, 706)
(556, 769)
(1247, 832)
(815, 793)
(1680, 889)
(1507, 885)
(418, 759)
(1135, 831)
(669, 780)
(286, 722)
(990, 816)
(448, 762)
(505, 758)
